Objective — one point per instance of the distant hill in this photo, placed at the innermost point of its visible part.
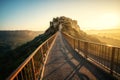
(103, 31)
(108, 36)
(12, 39)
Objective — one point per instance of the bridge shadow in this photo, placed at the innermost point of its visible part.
(74, 67)
(67, 61)
(96, 71)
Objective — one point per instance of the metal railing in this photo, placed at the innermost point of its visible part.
(31, 68)
(104, 55)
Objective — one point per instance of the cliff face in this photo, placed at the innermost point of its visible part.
(63, 23)
(70, 27)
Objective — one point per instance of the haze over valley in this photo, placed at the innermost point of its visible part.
(107, 36)
(11, 39)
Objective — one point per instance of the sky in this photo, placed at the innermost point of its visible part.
(36, 14)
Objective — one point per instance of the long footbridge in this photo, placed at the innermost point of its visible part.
(62, 57)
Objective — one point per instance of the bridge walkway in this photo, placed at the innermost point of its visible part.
(64, 63)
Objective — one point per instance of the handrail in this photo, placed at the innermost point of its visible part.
(104, 55)
(90, 41)
(31, 68)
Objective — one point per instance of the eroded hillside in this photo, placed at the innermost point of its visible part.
(70, 27)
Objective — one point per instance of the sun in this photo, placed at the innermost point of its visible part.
(109, 21)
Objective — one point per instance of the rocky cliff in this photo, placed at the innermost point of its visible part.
(70, 27)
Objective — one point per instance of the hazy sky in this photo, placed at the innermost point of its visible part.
(36, 14)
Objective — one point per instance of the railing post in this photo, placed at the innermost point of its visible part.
(48, 44)
(86, 49)
(74, 43)
(21, 75)
(33, 67)
(42, 55)
(112, 60)
(78, 46)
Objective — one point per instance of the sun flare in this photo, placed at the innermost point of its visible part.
(109, 20)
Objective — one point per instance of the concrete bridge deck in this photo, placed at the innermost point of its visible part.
(64, 63)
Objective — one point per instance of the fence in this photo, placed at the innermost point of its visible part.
(104, 55)
(31, 68)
